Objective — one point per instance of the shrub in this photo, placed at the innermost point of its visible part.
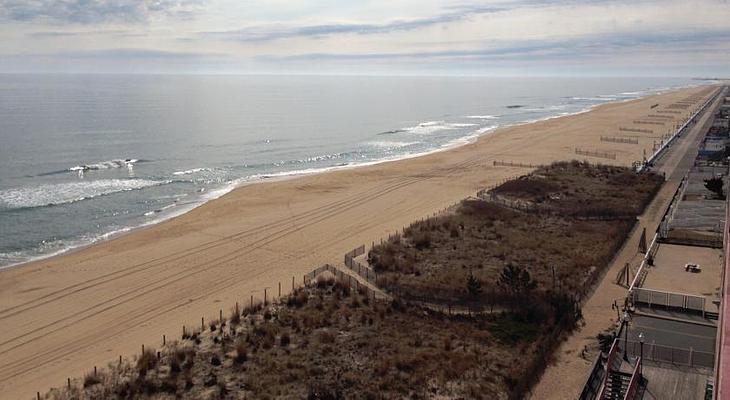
(215, 360)
(284, 340)
(235, 316)
(91, 379)
(146, 361)
(422, 240)
(241, 352)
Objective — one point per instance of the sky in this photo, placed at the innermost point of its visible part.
(388, 37)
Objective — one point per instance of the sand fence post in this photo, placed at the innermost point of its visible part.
(279, 289)
(68, 380)
(251, 302)
(38, 395)
(120, 360)
(94, 370)
(220, 315)
(292, 283)
(202, 323)
(265, 296)
(164, 340)
(143, 349)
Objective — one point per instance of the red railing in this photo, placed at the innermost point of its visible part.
(634, 382)
(612, 356)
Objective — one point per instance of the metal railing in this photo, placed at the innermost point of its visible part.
(668, 354)
(660, 298)
(634, 382)
(643, 269)
(612, 362)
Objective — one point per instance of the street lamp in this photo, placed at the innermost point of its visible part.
(641, 354)
(625, 321)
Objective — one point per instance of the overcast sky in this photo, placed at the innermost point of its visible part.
(503, 37)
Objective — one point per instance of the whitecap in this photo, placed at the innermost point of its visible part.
(70, 192)
(427, 128)
(482, 116)
(390, 145)
(191, 171)
(116, 163)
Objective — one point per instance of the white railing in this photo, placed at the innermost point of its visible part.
(668, 299)
(641, 273)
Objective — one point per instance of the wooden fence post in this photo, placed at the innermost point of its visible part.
(279, 289)
(292, 283)
(202, 323)
(164, 341)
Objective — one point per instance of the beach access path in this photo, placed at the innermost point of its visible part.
(566, 376)
(62, 316)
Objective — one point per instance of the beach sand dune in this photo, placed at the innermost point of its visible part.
(63, 315)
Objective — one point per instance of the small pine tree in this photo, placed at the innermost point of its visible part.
(516, 280)
(473, 286)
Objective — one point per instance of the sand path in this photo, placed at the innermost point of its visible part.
(63, 315)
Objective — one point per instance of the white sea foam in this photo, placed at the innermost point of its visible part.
(69, 192)
(482, 116)
(117, 163)
(384, 144)
(430, 127)
(191, 171)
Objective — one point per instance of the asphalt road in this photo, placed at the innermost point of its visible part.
(673, 333)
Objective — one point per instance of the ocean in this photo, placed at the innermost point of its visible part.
(84, 157)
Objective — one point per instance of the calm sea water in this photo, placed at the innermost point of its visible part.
(84, 156)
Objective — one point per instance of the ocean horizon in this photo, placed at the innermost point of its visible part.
(85, 157)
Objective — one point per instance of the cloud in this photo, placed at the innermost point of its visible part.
(134, 54)
(578, 48)
(94, 11)
(54, 34)
(275, 32)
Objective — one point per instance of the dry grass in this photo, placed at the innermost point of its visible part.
(583, 190)
(327, 341)
(335, 344)
(434, 258)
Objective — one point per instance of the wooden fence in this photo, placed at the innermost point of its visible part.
(365, 271)
(640, 122)
(598, 154)
(514, 164)
(636, 130)
(619, 140)
(344, 277)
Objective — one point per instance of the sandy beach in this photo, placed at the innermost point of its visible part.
(64, 315)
